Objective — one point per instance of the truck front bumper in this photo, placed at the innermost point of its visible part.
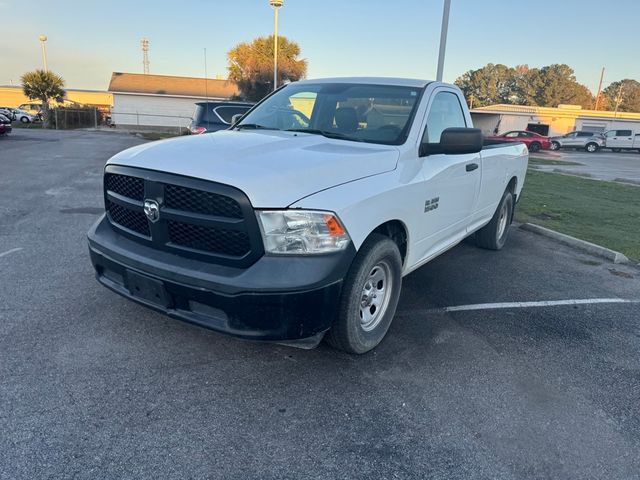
(278, 298)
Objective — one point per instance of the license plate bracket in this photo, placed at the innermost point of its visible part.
(148, 289)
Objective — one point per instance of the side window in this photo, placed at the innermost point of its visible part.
(227, 113)
(624, 133)
(445, 112)
(511, 134)
(611, 133)
(524, 134)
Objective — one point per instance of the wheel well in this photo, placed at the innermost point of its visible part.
(397, 232)
(511, 186)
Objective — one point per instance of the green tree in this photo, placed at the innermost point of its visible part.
(44, 86)
(547, 86)
(488, 85)
(558, 84)
(251, 65)
(628, 98)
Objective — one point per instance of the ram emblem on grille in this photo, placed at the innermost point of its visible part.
(152, 210)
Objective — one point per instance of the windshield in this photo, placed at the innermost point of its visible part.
(346, 111)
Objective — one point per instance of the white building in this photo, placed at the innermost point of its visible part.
(162, 102)
(498, 119)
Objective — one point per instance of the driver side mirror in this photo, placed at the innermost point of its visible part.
(455, 141)
(236, 118)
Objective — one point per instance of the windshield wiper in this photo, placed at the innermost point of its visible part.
(324, 133)
(253, 126)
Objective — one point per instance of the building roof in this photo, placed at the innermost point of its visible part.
(564, 110)
(172, 86)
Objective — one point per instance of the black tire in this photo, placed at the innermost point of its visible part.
(555, 146)
(348, 332)
(591, 147)
(493, 235)
(534, 147)
(24, 119)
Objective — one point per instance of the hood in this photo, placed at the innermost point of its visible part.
(273, 168)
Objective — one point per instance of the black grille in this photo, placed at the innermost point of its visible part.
(130, 187)
(199, 201)
(198, 218)
(216, 240)
(131, 219)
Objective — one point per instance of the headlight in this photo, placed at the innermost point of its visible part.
(301, 232)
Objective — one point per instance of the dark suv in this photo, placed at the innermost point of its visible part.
(214, 116)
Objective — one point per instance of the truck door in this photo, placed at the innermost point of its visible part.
(619, 139)
(451, 183)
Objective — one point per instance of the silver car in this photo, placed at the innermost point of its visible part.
(589, 141)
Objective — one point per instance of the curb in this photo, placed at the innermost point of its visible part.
(592, 248)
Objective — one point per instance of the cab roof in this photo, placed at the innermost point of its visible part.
(401, 82)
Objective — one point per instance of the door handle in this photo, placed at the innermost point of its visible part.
(471, 167)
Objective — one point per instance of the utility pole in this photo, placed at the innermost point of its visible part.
(144, 43)
(276, 4)
(599, 90)
(43, 39)
(206, 80)
(443, 39)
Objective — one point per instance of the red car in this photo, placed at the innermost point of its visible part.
(533, 141)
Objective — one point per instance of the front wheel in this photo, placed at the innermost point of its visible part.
(24, 119)
(555, 146)
(591, 147)
(494, 234)
(369, 297)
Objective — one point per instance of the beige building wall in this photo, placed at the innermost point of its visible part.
(13, 97)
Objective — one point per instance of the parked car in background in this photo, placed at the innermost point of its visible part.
(20, 115)
(618, 140)
(32, 108)
(533, 141)
(7, 112)
(213, 116)
(589, 141)
(5, 125)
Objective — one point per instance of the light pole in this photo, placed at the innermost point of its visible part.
(43, 39)
(443, 39)
(276, 4)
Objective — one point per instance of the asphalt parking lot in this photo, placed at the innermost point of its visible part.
(93, 386)
(602, 165)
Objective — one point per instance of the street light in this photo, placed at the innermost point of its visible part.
(276, 4)
(43, 39)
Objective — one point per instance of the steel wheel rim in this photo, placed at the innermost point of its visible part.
(502, 222)
(591, 148)
(376, 292)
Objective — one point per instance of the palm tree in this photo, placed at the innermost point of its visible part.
(45, 86)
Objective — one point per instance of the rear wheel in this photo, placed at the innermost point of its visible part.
(494, 234)
(369, 297)
(555, 146)
(591, 147)
(24, 119)
(534, 147)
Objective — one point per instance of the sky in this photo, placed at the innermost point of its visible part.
(87, 39)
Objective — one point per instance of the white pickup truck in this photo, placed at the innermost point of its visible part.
(302, 218)
(618, 140)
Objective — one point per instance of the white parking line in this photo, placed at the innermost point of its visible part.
(10, 251)
(544, 303)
